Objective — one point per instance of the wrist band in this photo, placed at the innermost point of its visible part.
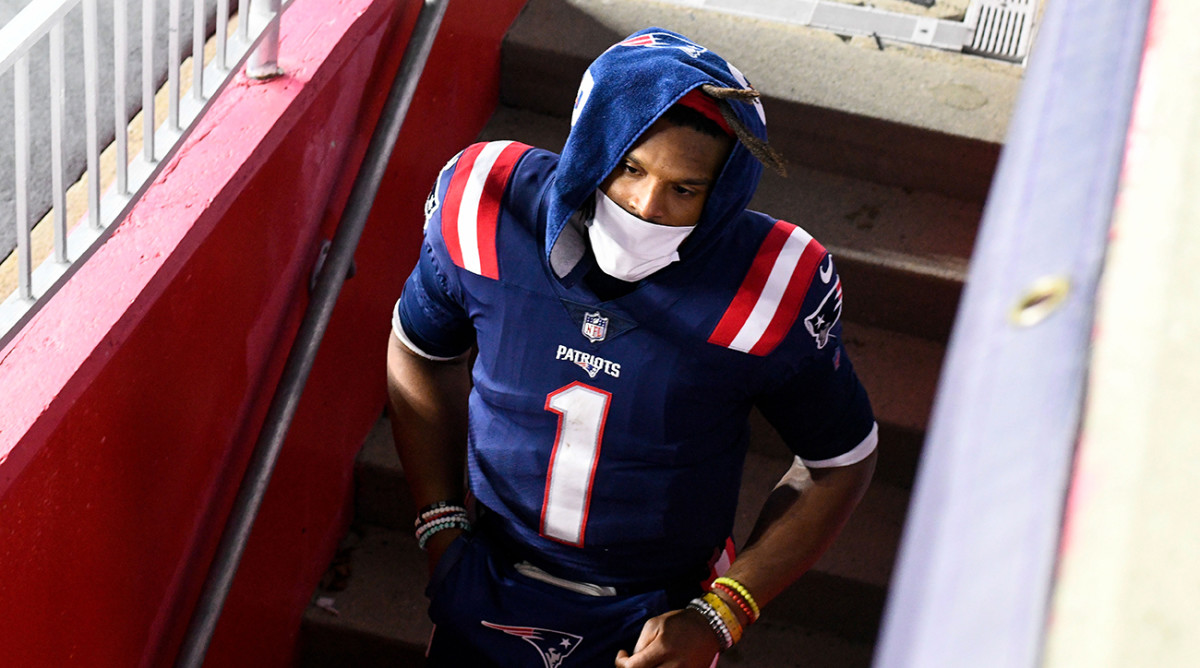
(738, 591)
(724, 637)
(427, 531)
(726, 613)
(738, 600)
(438, 508)
(429, 518)
(439, 516)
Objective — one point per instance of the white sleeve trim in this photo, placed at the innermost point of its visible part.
(398, 330)
(856, 455)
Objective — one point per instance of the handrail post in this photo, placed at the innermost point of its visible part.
(308, 339)
(263, 63)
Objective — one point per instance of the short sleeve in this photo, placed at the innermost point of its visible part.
(428, 318)
(431, 317)
(822, 411)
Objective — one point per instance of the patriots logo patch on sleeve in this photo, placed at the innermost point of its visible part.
(432, 203)
(820, 321)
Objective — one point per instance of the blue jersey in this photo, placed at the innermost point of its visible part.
(608, 435)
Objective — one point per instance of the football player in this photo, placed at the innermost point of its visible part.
(582, 341)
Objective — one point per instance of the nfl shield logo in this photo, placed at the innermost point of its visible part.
(595, 326)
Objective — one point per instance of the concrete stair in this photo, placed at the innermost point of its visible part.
(894, 190)
(901, 115)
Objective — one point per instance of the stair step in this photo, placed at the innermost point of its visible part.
(380, 491)
(901, 374)
(771, 645)
(380, 617)
(902, 255)
(913, 116)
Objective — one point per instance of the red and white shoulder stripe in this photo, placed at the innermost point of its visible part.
(772, 293)
(471, 205)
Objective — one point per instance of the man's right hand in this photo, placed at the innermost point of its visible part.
(677, 639)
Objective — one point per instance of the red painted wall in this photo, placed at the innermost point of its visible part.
(133, 399)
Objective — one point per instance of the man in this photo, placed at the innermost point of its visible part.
(626, 314)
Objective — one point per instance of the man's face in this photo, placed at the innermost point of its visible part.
(666, 177)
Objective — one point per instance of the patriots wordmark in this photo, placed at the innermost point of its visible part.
(589, 363)
(554, 646)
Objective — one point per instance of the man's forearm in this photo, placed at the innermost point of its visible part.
(799, 521)
(429, 422)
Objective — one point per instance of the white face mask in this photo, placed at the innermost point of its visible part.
(629, 248)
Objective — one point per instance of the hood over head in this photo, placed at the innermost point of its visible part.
(622, 94)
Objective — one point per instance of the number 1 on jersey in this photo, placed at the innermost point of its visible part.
(581, 410)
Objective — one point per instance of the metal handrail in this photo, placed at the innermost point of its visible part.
(46, 18)
(308, 339)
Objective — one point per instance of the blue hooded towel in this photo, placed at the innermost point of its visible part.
(622, 94)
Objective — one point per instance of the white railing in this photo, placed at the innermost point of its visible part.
(999, 29)
(23, 44)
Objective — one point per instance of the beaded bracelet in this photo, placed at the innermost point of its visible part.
(427, 531)
(731, 621)
(436, 517)
(724, 637)
(437, 509)
(439, 516)
(740, 595)
(738, 600)
(450, 519)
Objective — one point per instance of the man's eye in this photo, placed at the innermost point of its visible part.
(630, 169)
(684, 192)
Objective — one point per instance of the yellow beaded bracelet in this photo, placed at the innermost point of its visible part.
(745, 593)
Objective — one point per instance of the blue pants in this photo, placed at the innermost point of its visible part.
(488, 614)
